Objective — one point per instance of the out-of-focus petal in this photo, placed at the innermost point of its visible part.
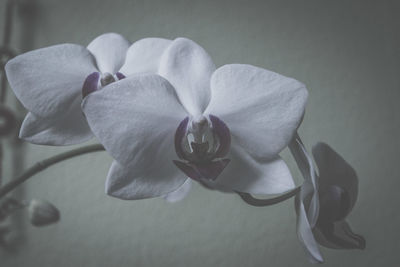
(305, 233)
(248, 175)
(139, 182)
(109, 49)
(338, 235)
(334, 170)
(144, 56)
(48, 80)
(179, 193)
(188, 67)
(70, 129)
(261, 108)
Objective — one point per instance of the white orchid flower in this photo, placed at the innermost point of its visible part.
(50, 82)
(338, 190)
(223, 128)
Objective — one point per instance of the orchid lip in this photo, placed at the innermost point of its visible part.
(95, 81)
(201, 143)
(91, 84)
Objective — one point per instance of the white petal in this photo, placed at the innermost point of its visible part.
(261, 108)
(305, 234)
(109, 49)
(308, 195)
(136, 119)
(188, 67)
(144, 56)
(48, 80)
(70, 129)
(130, 182)
(247, 175)
(179, 193)
(334, 170)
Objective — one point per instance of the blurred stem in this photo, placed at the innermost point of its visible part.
(40, 166)
(8, 22)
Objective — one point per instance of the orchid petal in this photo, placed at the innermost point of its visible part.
(48, 80)
(305, 233)
(144, 56)
(135, 119)
(248, 175)
(334, 170)
(109, 49)
(188, 67)
(70, 129)
(261, 108)
(135, 182)
(180, 193)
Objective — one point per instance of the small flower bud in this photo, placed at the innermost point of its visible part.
(42, 213)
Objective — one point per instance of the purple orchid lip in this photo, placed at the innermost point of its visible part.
(201, 144)
(208, 170)
(120, 76)
(179, 135)
(92, 81)
(91, 84)
(224, 135)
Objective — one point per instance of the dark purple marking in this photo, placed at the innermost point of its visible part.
(179, 135)
(188, 170)
(120, 76)
(91, 84)
(334, 204)
(224, 135)
(212, 169)
(200, 150)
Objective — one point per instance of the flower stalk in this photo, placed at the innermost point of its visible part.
(42, 165)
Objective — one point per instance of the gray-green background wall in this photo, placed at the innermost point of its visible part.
(346, 52)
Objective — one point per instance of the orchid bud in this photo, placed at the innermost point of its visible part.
(42, 213)
(334, 204)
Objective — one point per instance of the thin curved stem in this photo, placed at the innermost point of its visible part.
(40, 166)
(305, 169)
(256, 202)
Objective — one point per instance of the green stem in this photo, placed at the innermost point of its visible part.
(40, 166)
(256, 202)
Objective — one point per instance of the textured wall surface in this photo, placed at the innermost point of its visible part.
(346, 52)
